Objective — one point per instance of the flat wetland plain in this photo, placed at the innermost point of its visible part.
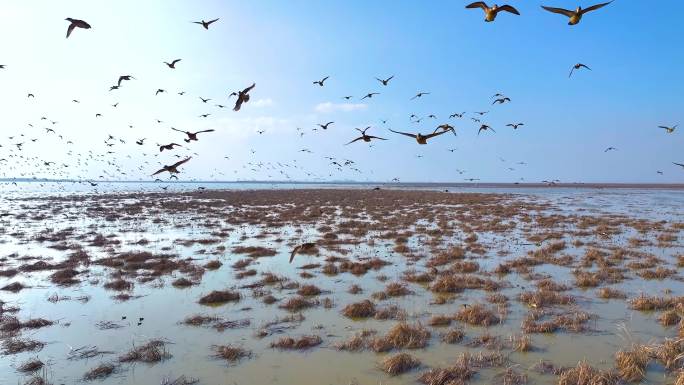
(401, 287)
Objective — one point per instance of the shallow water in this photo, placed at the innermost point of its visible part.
(164, 306)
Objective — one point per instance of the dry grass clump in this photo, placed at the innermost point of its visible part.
(680, 378)
(585, 374)
(544, 298)
(355, 289)
(99, 372)
(551, 285)
(453, 254)
(390, 312)
(510, 377)
(31, 366)
(213, 265)
(330, 269)
(64, 277)
(363, 309)
(309, 290)
(301, 343)
(646, 303)
(230, 353)
(669, 318)
(399, 363)
(477, 315)
(487, 341)
(152, 351)
(241, 264)
(17, 345)
(200, 320)
(218, 297)
(670, 353)
(521, 343)
(13, 287)
(38, 380)
(297, 304)
(631, 364)
(658, 273)
(396, 289)
(499, 299)
(417, 277)
(404, 335)
(610, 293)
(452, 375)
(453, 336)
(357, 342)
(182, 282)
(464, 267)
(118, 285)
(254, 251)
(440, 320)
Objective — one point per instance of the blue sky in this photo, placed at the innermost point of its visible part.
(633, 48)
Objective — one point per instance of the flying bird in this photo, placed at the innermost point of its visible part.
(501, 100)
(320, 82)
(576, 15)
(420, 138)
(204, 100)
(515, 125)
(168, 147)
(140, 142)
(172, 169)
(124, 77)
(242, 96)
(172, 65)
(610, 149)
(303, 248)
(669, 130)
(420, 95)
(364, 137)
(370, 95)
(484, 127)
(491, 12)
(325, 126)
(385, 81)
(577, 67)
(159, 90)
(75, 23)
(205, 24)
(192, 136)
(678, 164)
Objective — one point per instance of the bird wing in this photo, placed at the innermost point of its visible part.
(70, 29)
(175, 129)
(197, 22)
(175, 61)
(324, 79)
(294, 252)
(559, 11)
(595, 7)
(199, 132)
(585, 66)
(404, 133)
(508, 8)
(159, 172)
(678, 164)
(238, 104)
(212, 21)
(376, 137)
(181, 162)
(435, 134)
(246, 90)
(355, 140)
(478, 4)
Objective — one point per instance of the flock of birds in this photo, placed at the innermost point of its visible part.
(243, 96)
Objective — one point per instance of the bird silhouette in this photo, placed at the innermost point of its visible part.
(192, 136)
(420, 138)
(326, 125)
(493, 11)
(172, 65)
(385, 81)
(577, 67)
(242, 97)
(172, 169)
(124, 77)
(485, 127)
(168, 147)
(320, 82)
(420, 95)
(515, 125)
(205, 24)
(364, 137)
(75, 23)
(669, 130)
(370, 95)
(576, 15)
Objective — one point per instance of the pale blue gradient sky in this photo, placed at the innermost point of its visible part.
(633, 48)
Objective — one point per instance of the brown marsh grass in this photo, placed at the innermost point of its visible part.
(399, 363)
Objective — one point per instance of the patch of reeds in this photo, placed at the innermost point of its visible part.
(399, 363)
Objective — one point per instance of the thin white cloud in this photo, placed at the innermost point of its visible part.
(344, 107)
(263, 103)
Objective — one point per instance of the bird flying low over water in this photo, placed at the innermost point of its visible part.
(205, 24)
(364, 137)
(576, 15)
(420, 138)
(192, 136)
(242, 97)
(491, 12)
(75, 23)
(577, 67)
(304, 247)
(172, 169)
(172, 65)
